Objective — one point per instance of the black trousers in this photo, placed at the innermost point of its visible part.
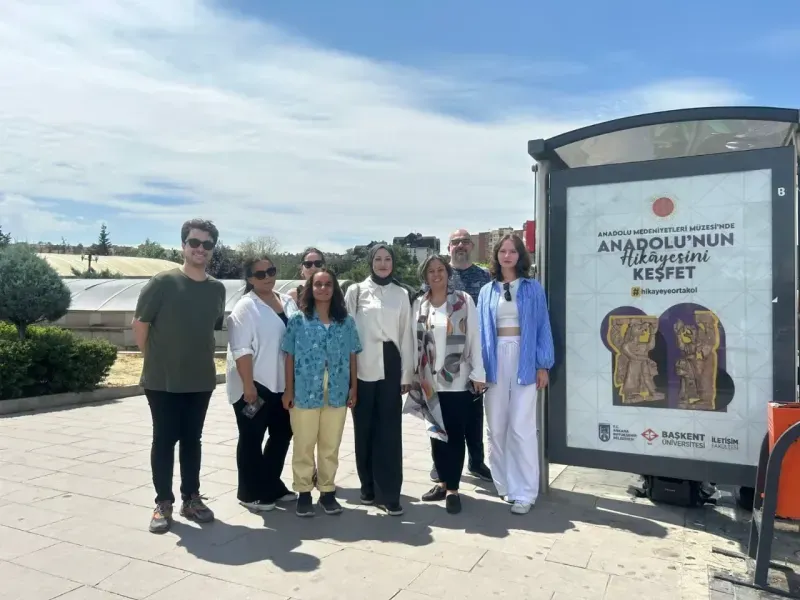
(448, 457)
(260, 464)
(473, 432)
(176, 418)
(377, 421)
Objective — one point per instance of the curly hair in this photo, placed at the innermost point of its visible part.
(308, 304)
(524, 262)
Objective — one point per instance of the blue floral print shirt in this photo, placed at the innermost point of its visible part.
(315, 347)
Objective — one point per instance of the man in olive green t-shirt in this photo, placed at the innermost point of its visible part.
(176, 315)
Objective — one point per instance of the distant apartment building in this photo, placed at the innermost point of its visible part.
(485, 241)
(418, 246)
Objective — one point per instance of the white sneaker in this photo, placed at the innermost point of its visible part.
(520, 508)
(258, 506)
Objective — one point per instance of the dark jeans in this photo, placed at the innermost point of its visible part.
(448, 457)
(377, 421)
(176, 418)
(260, 464)
(473, 432)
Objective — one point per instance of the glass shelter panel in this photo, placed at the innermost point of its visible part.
(675, 140)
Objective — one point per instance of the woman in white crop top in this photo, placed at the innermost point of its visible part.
(381, 308)
(517, 348)
(449, 373)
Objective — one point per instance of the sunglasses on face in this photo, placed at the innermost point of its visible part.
(313, 263)
(264, 274)
(507, 291)
(460, 242)
(195, 243)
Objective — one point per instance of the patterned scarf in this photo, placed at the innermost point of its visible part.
(422, 400)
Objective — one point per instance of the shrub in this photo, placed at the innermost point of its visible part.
(51, 360)
(31, 291)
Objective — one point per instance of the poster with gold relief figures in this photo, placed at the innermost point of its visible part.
(668, 317)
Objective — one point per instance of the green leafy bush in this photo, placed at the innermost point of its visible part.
(31, 291)
(51, 360)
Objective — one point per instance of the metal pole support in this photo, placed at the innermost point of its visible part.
(762, 525)
(542, 170)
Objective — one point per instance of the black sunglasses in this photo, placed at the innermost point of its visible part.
(507, 291)
(313, 263)
(264, 274)
(195, 243)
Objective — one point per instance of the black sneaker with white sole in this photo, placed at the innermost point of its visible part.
(480, 471)
(257, 506)
(329, 504)
(305, 506)
(367, 498)
(393, 509)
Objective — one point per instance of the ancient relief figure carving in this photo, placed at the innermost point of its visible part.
(697, 367)
(633, 338)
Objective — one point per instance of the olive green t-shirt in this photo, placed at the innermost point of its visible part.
(183, 314)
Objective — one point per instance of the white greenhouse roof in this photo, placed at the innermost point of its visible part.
(120, 295)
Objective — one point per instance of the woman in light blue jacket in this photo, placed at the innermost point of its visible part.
(517, 348)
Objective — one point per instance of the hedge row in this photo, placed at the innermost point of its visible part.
(51, 360)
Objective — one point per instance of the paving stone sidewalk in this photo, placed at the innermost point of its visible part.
(76, 497)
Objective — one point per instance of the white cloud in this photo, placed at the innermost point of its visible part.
(271, 134)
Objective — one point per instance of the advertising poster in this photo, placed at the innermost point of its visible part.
(669, 316)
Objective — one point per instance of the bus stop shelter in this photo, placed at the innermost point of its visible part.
(667, 245)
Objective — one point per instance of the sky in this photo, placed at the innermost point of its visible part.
(336, 123)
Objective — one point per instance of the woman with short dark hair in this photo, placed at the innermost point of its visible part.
(517, 347)
(313, 261)
(449, 372)
(255, 383)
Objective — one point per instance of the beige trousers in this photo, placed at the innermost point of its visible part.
(319, 428)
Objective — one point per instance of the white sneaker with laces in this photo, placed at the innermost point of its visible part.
(521, 508)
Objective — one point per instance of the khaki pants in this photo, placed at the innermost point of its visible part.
(319, 428)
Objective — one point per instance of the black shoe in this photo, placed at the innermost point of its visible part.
(481, 471)
(161, 520)
(453, 504)
(329, 504)
(393, 508)
(435, 494)
(305, 507)
(367, 498)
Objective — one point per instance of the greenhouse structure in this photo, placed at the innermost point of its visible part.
(103, 308)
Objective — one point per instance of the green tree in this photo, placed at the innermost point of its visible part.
(31, 291)
(151, 249)
(258, 246)
(5, 238)
(103, 246)
(173, 255)
(95, 274)
(226, 263)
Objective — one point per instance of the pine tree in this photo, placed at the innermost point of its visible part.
(5, 238)
(103, 247)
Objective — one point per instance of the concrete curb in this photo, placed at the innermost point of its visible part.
(51, 401)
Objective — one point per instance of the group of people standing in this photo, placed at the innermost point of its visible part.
(467, 340)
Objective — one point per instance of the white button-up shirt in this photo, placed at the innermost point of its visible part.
(382, 314)
(255, 329)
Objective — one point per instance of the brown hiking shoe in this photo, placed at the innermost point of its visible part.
(195, 509)
(161, 520)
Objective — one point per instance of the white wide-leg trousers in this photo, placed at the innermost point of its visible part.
(511, 423)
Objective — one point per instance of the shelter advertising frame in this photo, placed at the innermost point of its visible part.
(717, 132)
(781, 165)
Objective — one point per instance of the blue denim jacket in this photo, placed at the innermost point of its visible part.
(536, 338)
(314, 347)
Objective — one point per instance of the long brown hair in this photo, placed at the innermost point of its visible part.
(523, 263)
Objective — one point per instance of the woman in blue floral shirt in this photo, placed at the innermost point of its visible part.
(321, 344)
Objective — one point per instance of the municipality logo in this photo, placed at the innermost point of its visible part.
(604, 431)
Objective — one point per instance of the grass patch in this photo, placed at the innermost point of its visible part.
(128, 369)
